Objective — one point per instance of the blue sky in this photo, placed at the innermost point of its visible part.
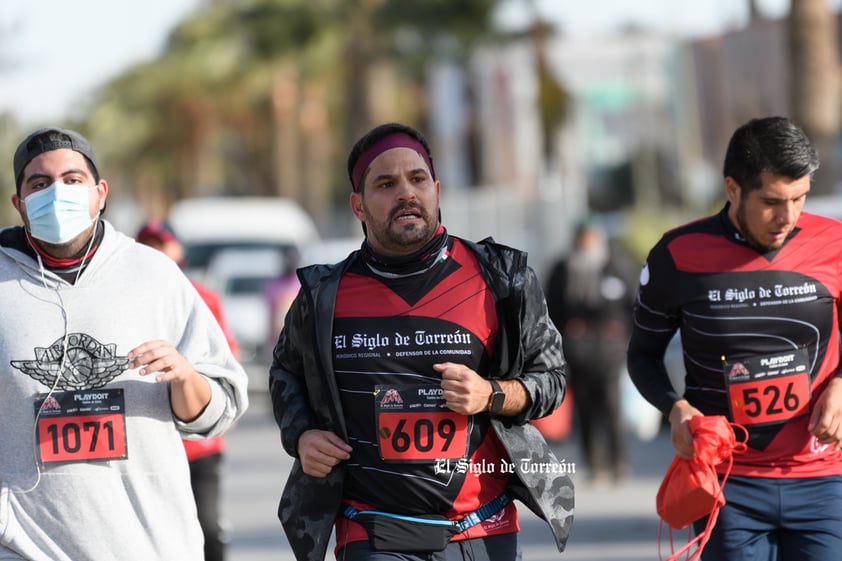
(54, 52)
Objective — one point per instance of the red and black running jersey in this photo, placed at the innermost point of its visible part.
(410, 454)
(759, 333)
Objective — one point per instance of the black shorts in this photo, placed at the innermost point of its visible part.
(502, 547)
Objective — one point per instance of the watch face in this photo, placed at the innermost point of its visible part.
(497, 401)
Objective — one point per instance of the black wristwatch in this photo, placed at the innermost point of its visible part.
(495, 402)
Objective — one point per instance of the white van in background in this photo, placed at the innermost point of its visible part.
(236, 246)
(208, 225)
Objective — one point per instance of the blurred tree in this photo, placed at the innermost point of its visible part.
(265, 96)
(10, 136)
(202, 118)
(753, 11)
(814, 82)
(553, 100)
(10, 130)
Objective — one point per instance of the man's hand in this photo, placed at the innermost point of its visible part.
(465, 391)
(682, 439)
(190, 391)
(320, 451)
(826, 420)
(468, 393)
(161, 358)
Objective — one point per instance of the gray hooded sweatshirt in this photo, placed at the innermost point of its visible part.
(138, 506)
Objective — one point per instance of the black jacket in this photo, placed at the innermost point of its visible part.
(305, 395)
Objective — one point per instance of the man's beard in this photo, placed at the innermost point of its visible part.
(748, 237)
(395, 237)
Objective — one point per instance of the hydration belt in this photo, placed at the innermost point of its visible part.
(468, 521)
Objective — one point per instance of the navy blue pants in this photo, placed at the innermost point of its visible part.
(503, 547)
(767, 519)
(205, 476)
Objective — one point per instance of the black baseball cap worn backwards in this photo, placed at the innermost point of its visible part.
(46, 140)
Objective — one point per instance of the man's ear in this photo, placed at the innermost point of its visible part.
(356, 203)
(732, 189)
(102, 189)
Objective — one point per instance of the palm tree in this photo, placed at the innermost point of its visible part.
(814, 81)
(257, 96)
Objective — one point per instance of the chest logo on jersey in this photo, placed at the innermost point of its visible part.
(773, 295)
(89, 364)
(418, 343)
(419, 338)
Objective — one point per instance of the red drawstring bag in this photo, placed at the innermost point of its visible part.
(691, 489)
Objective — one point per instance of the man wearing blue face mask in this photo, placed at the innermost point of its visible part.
(111, 359)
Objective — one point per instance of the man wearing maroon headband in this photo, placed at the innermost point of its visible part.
(405, 377)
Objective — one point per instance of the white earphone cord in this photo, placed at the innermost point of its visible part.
(65, 313)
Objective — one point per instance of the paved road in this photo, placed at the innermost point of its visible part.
(613, 522)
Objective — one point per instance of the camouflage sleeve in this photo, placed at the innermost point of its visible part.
(287, 384)
(543, 368)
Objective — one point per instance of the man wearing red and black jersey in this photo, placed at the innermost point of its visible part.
(755, 291)
(404, 379)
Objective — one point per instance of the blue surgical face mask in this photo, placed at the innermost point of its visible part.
(58, 213)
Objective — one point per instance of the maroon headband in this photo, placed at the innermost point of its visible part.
(396, 140)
